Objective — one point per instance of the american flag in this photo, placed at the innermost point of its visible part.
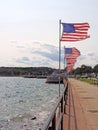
(73, 32)
(71, 53)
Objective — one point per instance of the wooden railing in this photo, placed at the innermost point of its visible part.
(55, 119)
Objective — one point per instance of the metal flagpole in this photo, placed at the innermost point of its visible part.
(64, 57)
(59, 53)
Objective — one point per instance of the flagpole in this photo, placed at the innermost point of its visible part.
(64, 57)
(59, 53)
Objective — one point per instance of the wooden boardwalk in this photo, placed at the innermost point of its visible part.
(82, 106)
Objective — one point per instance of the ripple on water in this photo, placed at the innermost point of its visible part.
(25, 103)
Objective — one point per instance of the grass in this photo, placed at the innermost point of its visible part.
(88, 80)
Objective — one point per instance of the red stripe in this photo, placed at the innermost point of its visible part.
(82, 29)
(80, 32)
(73, 40)
(71, 62)
(71, 56)
(83, 26)
(77, 37)
(81, 23)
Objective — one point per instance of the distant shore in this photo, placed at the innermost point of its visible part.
(25, 71)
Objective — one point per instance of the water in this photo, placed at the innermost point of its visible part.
(25, 103)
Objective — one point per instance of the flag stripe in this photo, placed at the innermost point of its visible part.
(70, 60)
(73, 40)
(78, 24)
(72, 56)
(76, 34)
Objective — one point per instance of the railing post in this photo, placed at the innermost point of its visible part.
(65, 98)
(54, 122)
(62, 112)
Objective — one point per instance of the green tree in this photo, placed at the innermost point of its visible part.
(95, 69)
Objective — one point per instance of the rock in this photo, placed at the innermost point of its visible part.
(20, 101)
(25, 125)
(33, 118)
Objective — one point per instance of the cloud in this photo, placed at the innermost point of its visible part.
(20, 47)
(49, 55)
(91, 54)
(38, 54)
(24, 60)
(13, 41)
(90, 59)
(82, 57)
(48, 51)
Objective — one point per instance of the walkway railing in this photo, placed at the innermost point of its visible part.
(55, 119)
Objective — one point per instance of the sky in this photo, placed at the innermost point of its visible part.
(29, 32)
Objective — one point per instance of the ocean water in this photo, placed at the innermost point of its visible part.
(25, 103)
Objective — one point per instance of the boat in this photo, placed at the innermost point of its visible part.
(55, 78)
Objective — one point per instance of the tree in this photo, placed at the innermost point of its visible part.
(95, 69)
(86, 69)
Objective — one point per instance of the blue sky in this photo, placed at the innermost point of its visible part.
(29, 31)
